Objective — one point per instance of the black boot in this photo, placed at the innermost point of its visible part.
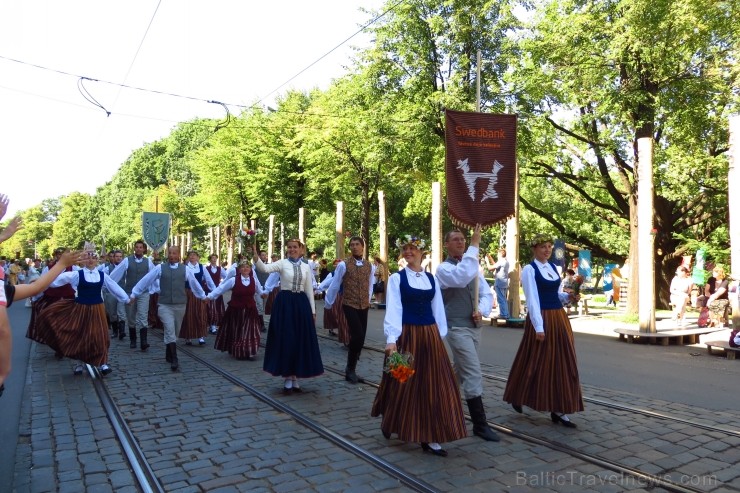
(121, 330)
(114, 329)
(168, 353)
(262, 324)
(173, 355)
(142, 335)
(349, 371)
(132, 336)
(480, 424)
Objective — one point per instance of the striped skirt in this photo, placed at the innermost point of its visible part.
(334, 318)
(152, 317)
(195, 322)
(76, 331)
(270, 300)
(38, 305)
(427, 407)
(544, 375)
(215, 310)
(240, 332)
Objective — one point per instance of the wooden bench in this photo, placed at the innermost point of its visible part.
(664, 336)
(730, 352)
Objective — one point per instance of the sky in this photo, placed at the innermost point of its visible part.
(240, 52)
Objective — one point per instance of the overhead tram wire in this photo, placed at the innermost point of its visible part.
(192, 98)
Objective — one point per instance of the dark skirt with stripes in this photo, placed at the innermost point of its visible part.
(76, 331)
(270, 300)
(334, 319)
(427, 407)
(216, 311)
(292, 348)
(240, 332)
(544, 375)
(36, 308)
(152, 317)
(195, 322)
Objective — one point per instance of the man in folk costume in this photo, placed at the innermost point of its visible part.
(128, 273)
(457, 276)
(116, 311)
(354, 277)
(172, 276)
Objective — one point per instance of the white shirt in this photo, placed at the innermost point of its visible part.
(92, 276)
(392, 324)
(229, 284)
(532, 295)
(462, 274)
(120, 269)
(285, 269)
(155, 275)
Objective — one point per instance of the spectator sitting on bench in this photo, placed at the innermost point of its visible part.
(716, 292)
(568, 285)
(680, 291)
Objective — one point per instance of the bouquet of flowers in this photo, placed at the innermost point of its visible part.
(399, 366)
(576, 284)
(248, 236)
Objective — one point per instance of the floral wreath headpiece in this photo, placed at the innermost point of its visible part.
(539, 239)
(413, 240)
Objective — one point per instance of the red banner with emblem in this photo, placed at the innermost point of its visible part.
(480, 167)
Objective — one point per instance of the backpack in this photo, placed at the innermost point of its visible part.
(703, 317)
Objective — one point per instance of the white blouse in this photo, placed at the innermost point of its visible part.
(295, 277)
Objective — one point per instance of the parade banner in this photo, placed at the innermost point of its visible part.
(480, 167)
(584, 264)
(155, 229)
(558, 255)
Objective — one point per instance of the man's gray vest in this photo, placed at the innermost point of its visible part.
(172, 285)
(134, 273)
(458, 302)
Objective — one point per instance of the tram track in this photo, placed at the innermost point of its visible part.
(148, 481)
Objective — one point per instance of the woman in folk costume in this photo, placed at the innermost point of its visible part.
(195, 323)
(78, 328)
(50, 296)
(427, 407)
(216, 305)
(240, 329)
(544, 375)
(334, 319)
(292, 349)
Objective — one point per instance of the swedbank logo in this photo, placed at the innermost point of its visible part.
(484, 133)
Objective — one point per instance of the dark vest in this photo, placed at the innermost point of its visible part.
(172, 285)
(134, 273)
(242, 296)
(458, 302)
(356, 284)
(547, 289)
(89, 293)
(417, 303)
(216, 278)
(198, 277)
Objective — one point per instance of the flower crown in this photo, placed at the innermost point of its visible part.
(540, 238)
(413, 240)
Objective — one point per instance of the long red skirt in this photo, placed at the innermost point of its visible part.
(76, 331)
(544, 375)
(240, 332)
(38, 305)
(152, 317)
(270, 300)
(334, 318)
(195, 322)
(216, 311)
(427, 407)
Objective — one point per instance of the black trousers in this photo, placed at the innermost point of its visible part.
(357, 325)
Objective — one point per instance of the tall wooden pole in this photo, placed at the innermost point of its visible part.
(645, 235)
(382, 228)
(733, 180)
(302, 225)
(271, 237)
(340, 229)
(436, 246)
